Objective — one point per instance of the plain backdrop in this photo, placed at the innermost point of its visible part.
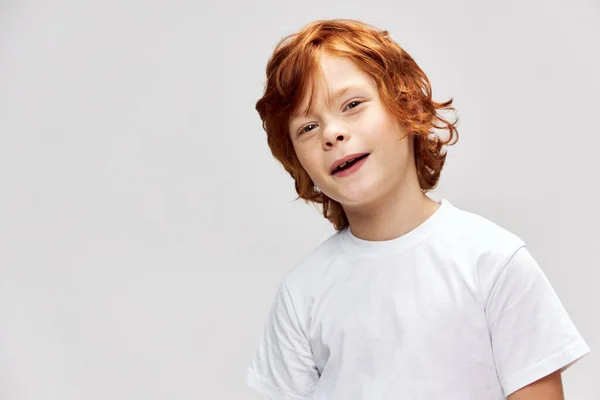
(145, 225)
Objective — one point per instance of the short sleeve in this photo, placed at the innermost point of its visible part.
(532, 335)
(283, 367)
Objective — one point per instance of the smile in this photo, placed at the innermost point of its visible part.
(349, 167)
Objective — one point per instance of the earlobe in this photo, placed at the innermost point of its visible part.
(410, 136)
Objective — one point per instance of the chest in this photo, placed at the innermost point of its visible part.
(398, 312)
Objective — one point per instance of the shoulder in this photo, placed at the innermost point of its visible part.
(487, 248)
(481, 245)
(300, 283)
(479, 236)
(306, 274)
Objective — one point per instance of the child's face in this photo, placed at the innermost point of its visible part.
(355, 122)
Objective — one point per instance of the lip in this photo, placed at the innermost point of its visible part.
(343, 160)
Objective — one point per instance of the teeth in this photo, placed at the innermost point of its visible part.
(343, 164)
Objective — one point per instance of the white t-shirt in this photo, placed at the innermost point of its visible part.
(455, 309)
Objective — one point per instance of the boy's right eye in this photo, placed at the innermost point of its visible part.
(305, 129)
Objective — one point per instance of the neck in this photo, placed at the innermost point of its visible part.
(393, 216)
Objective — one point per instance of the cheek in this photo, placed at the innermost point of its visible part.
(377, 126)
(308, 161)
(390, 133)
(379, 137)
(390, 141)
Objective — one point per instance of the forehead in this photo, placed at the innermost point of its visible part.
(333, 77)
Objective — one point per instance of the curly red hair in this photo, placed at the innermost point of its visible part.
(404, 89)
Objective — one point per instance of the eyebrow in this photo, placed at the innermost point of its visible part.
(342, 91)
(338, 93)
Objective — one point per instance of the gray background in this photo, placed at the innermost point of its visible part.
(144, 225)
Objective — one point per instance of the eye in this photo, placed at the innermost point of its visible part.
(305, 129)
(355, 103)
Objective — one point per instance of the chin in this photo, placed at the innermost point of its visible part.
(353, 198)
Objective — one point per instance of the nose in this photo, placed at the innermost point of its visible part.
(332, 135)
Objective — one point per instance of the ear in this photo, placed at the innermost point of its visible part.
(411, 137)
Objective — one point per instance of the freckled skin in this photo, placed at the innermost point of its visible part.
(356, 122)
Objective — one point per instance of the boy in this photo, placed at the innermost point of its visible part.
(410, 298)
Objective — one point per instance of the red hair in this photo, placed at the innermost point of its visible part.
(404, 90)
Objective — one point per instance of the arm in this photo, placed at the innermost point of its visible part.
(283, 367)
(533, 338)
(548, 388)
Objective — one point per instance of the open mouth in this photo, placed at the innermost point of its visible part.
(348, 164)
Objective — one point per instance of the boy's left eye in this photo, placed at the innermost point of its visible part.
(355, 103)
